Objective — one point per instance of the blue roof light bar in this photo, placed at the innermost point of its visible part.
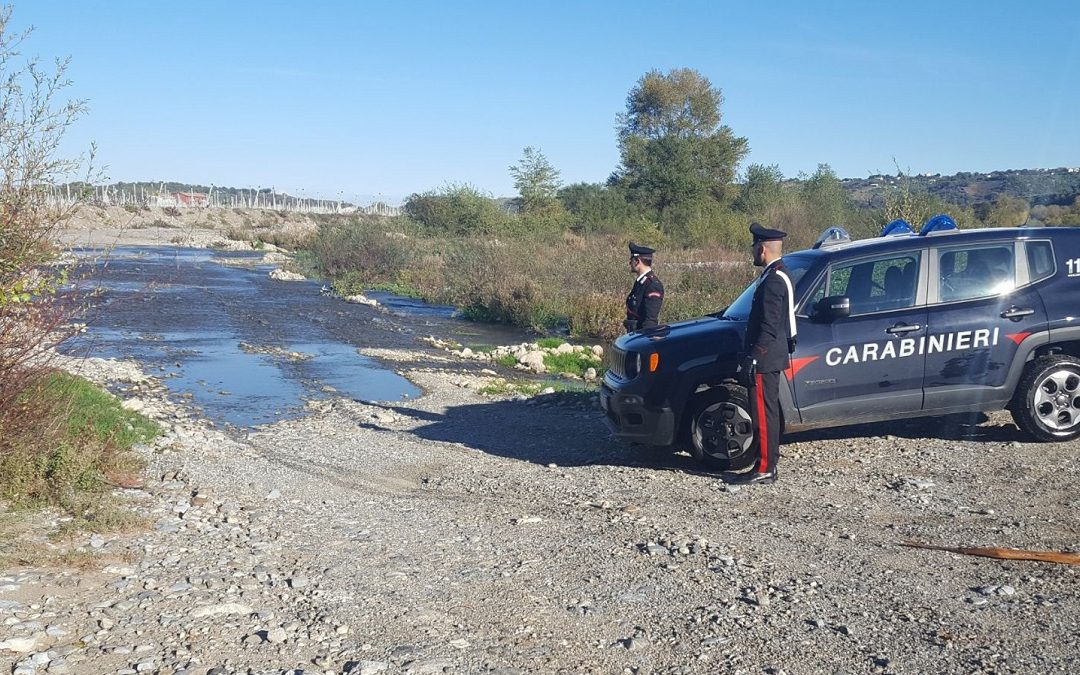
(898, 226)
(939, 223)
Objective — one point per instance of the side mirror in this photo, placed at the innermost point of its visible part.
(832, 308)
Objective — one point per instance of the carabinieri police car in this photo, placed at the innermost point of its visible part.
(903, 325)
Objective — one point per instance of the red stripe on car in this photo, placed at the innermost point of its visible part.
(798, 364)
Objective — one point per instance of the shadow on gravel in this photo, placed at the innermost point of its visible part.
(967, 427)
(564, 429)
(561, 429)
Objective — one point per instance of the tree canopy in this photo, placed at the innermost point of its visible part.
(674, 150)
(536, 180)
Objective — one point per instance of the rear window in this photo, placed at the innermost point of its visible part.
(1040, 259)
(976, 272)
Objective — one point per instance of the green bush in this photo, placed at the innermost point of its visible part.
(597, 315)
(349, 283)
(365, 246)
(458, 209)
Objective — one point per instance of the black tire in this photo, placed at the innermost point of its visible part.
(721, 432)
(1046, 404)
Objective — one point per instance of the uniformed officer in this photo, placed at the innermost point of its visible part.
(770, 338)
(647, 295)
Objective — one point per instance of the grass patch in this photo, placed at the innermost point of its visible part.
(507, 360)
(97, 513)
(550, 342)
(510, 387)
(573, 362)
(21, 545)
(66, 439)
(563, 392)
(99, 412)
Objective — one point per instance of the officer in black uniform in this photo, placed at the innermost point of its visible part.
(647, 295)
(770, 338)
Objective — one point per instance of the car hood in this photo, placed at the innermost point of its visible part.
(706, 334)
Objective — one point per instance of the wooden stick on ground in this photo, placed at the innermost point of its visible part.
(1005, 553)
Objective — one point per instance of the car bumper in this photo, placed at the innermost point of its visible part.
(632, 421)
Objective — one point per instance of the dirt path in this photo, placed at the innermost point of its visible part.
(460, 533)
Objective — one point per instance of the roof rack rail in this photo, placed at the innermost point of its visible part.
(833, 236)
(938, 224)
(896, 227)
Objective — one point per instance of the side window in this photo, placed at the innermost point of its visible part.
(976, 272)
(1040, 259)
(874, 285)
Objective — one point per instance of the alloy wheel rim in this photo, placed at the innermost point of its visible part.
(1056, 401)
(725, 430)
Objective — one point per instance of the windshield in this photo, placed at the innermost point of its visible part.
(796, 265)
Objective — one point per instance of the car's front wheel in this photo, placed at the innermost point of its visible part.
(721, 431)
(1047, 400)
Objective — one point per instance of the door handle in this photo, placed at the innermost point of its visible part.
(902, 328)
(1016, 313)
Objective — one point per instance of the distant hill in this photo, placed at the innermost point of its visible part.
(1038, 186)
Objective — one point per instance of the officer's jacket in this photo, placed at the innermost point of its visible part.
(770, 330)
(643, 303)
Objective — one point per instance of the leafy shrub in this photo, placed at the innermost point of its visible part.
(349, 283)
(458, 209)
(597, 315)
(365, 246)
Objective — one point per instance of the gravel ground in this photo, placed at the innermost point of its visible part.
(459, 533)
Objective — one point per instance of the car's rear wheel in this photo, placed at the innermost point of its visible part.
(721, 431)
(1047, 400)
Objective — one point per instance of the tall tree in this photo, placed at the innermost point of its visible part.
(536, 180)
(674, 149)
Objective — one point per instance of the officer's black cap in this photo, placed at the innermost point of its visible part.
(635, 249)
(765, 234)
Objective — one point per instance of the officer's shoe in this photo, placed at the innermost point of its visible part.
(756, 477)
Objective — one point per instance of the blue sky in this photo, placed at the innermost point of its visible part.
(376, 100)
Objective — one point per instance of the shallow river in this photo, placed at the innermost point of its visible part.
(247, 349)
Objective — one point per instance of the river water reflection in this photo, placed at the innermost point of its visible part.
(247, 349)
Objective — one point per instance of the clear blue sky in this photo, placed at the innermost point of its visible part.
(379, 99)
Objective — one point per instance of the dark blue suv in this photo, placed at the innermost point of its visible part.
(903, 325)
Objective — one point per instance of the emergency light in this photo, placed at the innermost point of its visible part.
(831, 237)
(895, 227)
(939, 223)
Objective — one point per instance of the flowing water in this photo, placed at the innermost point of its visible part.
(244, 348)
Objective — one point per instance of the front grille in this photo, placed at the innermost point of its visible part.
(615, 361)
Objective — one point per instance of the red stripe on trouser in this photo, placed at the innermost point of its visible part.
(763, 425)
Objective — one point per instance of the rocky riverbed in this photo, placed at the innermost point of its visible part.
(462, 533)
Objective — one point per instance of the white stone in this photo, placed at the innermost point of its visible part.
(285, 275)
(534, 361)
(223, 608)
(361, 299)
(19, 645)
